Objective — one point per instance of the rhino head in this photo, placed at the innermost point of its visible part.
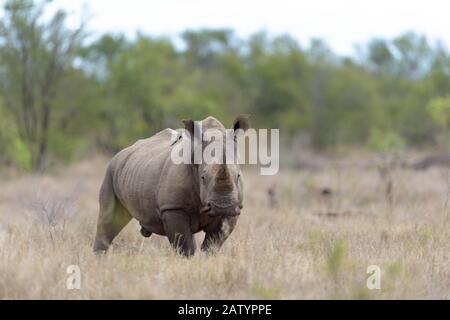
(220, 184)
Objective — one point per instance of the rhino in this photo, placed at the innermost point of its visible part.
(169, 199)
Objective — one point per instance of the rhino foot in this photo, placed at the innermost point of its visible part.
(145, 233)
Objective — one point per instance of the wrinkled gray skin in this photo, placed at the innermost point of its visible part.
(173, 200)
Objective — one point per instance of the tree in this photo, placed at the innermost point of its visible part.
(380, 56)
(414, 55)
(141, 79)
(204, 44)
(35, 54)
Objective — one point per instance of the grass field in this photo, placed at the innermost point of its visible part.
(312, 237)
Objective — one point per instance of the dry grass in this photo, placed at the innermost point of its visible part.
(306, 244)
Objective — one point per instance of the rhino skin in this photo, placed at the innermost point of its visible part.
(168, 199)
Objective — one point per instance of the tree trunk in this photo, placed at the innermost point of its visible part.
(39, 165)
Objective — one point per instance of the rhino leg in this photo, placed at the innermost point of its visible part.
(215, 238)
(178, 230)
(113, 217)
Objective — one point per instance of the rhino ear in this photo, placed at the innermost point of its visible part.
(194, 130)
(241, 122)
(189, 126)
(192, 127)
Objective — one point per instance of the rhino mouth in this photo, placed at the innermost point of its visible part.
(214, 210)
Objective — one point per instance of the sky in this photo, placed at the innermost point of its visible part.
(342, 24)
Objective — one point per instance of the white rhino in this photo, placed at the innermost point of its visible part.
(173, 200)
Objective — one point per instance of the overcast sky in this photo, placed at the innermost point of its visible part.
(340, 23)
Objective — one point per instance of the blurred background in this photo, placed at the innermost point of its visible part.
(80, 78)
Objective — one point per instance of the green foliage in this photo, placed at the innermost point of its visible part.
(394, 269)
(337, 251)
(12, 149)
(20, 154)
(439, 109)
(336, 257)
(116, 90)
(35, 54)
(385, 141)
(265, 293)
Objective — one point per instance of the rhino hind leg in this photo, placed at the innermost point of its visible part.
(113, 217)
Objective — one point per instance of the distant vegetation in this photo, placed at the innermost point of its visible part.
(62, 95)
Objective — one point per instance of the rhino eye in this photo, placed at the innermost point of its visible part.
(203, 177)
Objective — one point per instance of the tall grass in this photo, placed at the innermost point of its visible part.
(284, 246)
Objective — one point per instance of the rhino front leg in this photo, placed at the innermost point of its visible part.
(178, 230)
(216, 237)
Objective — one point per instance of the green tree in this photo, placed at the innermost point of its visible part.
(141, 80)
(35, 54)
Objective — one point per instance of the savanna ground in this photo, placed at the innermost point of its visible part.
(313, 237)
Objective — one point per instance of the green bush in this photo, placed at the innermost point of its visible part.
(385, 141)
(439, 109)
(12, 149)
